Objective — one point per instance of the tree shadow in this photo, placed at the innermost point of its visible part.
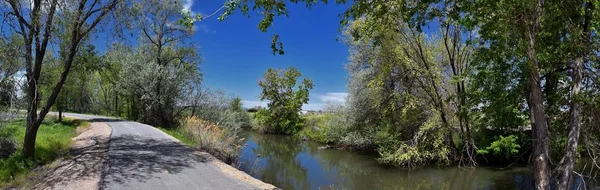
(81, 163)
(139, 158)
(104, 120)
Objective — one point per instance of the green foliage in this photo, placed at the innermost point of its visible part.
(236, 104)
(431, 147)
(224, 110)
(285, 101)
(54, 140)
(317, 128)
(504, 146)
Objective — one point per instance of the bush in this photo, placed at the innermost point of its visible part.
(427, 146)
(225, 111)
(7, 147)
(316, 129)
(213, 139)
(504, 146)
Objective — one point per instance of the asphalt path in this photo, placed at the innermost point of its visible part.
(143, 157)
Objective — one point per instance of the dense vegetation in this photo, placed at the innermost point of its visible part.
(500, 81)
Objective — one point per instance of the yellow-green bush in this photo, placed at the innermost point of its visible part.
(212, 138)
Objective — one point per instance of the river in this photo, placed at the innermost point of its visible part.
(290, 163)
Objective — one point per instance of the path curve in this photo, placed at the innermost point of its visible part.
(143, 157)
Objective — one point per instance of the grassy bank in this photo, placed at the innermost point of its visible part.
(53, 140)
(220, 142)
(180, 135)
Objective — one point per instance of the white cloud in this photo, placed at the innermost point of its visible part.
(322, 101)
(313, 106)
(187, 6)
(334, 97)
(20, 79)
(204, 28)
(253, 103)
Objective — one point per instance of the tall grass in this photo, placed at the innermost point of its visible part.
(207, 136)
(213, 139)
(53, 140)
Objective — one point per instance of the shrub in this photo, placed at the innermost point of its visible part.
(427, 146)
(316, 129)
(7, 147)
(213, 139)
(504, 146)
(225, 111)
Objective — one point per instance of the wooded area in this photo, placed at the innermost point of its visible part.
(496, 82)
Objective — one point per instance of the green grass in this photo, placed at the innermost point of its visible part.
(53, 139)
(180, 135)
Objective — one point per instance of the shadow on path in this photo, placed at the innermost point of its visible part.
(80, 169)
(139, 158)
(104, 120)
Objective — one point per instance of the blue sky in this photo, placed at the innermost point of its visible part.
(236, 53)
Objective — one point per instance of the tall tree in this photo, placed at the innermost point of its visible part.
(286, 97)
(583, 15)
(156, 20)
(37, 21)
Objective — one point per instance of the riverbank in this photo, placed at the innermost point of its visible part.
(290, 163)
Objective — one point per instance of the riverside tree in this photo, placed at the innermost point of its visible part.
(286, 97)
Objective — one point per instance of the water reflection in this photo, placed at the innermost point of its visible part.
(289, 163)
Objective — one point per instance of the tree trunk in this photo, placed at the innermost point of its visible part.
(116, 103)
(60, 114)
(539, 132)
(535, 102)
(31, 128)
(30, 137)
(566, 164)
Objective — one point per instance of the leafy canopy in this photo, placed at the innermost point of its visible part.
(285, 100)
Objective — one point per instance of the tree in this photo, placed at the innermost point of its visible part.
(164, 40)
(285, 100)
(11, 61)
(78, 93)
(236, 104)
(542, 36)
(36, 22)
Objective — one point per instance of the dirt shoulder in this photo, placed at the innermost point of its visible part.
(82, 167)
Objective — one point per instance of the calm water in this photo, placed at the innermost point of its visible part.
(290, 163)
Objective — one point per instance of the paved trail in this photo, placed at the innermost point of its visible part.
(143, 157)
